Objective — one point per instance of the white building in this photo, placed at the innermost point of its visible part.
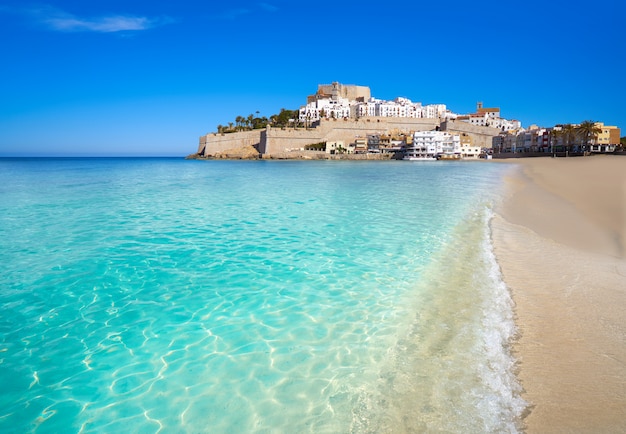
(365, 109)
(428, 145)
(470, 152)
(343, 108)
(339, 147)
(434, 111)
(490, 117)
(325, 107)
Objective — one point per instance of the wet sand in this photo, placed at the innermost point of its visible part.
(560, 237)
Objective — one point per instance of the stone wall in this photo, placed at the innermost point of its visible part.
(278, 141)
(481, 136)
(348, 130)
(214, 143)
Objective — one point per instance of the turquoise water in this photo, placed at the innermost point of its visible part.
(164, 295)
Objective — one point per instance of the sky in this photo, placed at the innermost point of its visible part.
(147, 78)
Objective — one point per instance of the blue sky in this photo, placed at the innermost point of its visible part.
(148, 78)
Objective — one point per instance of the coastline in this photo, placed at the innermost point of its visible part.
(559, 239)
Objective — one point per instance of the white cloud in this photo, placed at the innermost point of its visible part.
(102, 24)
(56, 19)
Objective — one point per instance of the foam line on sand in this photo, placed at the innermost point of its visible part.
(559, 237)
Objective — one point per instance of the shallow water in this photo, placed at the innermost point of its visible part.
(252, 296)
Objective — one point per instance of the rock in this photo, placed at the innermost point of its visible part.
(243, 153)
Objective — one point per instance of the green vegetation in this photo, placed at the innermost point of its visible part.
(251, 122)
(587, 130)
(555, 135)
(569, 134)
(321, 146)
(284, 117)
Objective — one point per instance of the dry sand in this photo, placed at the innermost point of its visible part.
(560, 238)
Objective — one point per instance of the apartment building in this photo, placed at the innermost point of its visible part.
(607, 139)
(428, 145)
(537, 139)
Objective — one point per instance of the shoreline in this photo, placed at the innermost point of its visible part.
(559, 237)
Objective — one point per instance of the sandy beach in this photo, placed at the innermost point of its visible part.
(560, 239)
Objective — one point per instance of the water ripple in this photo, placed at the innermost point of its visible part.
(169, 296)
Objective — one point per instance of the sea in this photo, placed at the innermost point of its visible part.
(164, 295)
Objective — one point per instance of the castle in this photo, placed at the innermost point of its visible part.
(348, 114)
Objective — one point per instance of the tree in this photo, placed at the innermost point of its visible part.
(282, 119)
(569, 133)
(588, 130)
(555, 135)
(251, 122)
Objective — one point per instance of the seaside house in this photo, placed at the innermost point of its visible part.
(506, 141)
(373, 143)
(559, 138)
(390, 143)
(433, 144)
(339, 147)
(360, 145)
(468, 150)
(607, 140)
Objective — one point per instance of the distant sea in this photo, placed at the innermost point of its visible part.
(165, 295)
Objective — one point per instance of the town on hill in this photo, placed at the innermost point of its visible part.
(345, 121)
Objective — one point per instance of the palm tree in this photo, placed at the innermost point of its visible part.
(588, 130)
(569, 132)
(555, 135)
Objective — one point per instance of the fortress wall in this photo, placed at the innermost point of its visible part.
(481, 140)
(402, 124)
(277, 140)
(382, 124)
(348, 130)
(213, 143)
(481, 136)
